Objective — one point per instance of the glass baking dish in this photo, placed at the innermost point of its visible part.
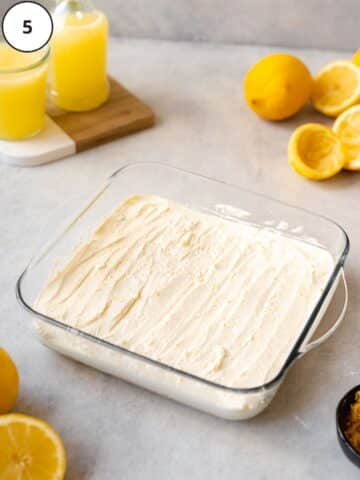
(210, 196)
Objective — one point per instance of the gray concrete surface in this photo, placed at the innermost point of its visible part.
(310, 23)
(113, 430)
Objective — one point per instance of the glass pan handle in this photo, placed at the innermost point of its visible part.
(311, 345)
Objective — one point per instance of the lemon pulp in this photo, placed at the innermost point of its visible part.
(30, 449)
(336, 88)
(316, 152)
(347, 127)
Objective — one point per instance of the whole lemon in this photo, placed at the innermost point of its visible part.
(9, 382)
(277, 86)
(356, 58)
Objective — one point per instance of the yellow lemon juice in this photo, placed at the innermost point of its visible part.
(22, 92)
(78, 61)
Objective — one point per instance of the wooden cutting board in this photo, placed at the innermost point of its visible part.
(66, 133)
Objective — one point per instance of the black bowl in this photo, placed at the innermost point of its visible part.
(342, 415)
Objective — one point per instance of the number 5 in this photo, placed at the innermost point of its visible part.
(27, 28)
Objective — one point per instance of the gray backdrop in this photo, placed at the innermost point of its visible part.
(306, 23)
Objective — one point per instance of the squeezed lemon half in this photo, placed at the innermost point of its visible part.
(347, 128)
(30, 449)
(336, 87)
(9, 382)
(316, 152)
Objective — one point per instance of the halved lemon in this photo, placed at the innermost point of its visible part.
(347, 128)
(336, 87)
(30, 449)
(316, 152)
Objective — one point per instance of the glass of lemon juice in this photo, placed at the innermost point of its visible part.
(79, 56)
(22, 91)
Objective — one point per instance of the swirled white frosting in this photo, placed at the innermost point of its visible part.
(219, 299)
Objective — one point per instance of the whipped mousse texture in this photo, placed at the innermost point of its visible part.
(219, 299)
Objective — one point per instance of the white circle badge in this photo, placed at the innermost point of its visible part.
(27, 26)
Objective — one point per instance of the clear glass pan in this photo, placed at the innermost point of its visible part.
(200, 193)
